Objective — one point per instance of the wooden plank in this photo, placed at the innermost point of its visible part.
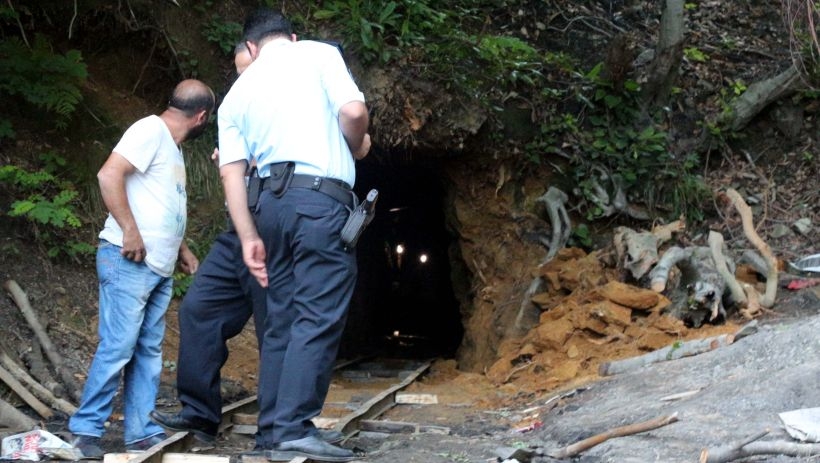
(245, 429)
(194, 458)
(179, 442)
(417, 399)
(377, 405)
(325, 423)
(391, 427)
(401, 427)
(244, 418)
(244, 406)
(119, 457)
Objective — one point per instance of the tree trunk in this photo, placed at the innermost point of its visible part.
(759, 95)
(664, 68)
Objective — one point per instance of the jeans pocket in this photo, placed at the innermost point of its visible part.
(108, 261)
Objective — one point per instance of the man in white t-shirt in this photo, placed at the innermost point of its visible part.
(143, 186)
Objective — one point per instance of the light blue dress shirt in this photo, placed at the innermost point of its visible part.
(285, 107)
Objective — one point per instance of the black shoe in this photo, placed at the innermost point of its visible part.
(328, 435)
(145, 444)
(89, 446)
(331, 436)
(310, 447)
(201, 429)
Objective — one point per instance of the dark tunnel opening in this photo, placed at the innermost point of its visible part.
(404, 304)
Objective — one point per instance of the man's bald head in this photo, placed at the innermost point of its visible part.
(192, 96)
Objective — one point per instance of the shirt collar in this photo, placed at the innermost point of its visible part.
(275, 43)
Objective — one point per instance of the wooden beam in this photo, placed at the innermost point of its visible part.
(245, 406)
(378, 404)
(400, 427)
(179, 442)
(416, 399)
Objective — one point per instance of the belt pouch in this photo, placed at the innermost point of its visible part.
(281, 174)
(254, 189)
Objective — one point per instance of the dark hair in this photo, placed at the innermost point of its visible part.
(263, 23)
(191, 102)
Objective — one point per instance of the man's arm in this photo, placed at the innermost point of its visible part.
(253, 250)
(354, 121)
(111, 178)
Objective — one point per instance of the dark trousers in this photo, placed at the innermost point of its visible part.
(216, 308)
(310, 283)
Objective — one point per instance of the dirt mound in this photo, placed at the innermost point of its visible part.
(589, 317)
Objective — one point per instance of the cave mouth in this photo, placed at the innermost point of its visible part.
(404, 305)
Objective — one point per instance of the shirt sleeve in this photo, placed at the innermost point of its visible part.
(232, 144)
(339, 84)
(139, 144)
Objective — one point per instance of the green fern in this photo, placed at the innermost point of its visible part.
(48, 205)
(43, 78)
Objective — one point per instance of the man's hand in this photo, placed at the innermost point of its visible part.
(215, 157)
(253, 253)
(133, 247)
(187, 261)
(360, 153)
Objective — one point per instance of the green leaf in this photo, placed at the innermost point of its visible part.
(612, 101)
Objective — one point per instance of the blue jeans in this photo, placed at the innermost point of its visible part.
(133, 301)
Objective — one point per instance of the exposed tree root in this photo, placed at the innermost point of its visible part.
(554, 200)
(745, 212)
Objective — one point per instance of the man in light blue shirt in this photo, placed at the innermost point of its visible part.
(299, 115)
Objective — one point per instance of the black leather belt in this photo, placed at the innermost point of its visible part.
(336, 189)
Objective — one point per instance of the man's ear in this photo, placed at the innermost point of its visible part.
(252, 49)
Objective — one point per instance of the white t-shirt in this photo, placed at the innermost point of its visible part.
(285, 107)
(156, 193)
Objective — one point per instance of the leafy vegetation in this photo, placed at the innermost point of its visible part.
(217, 30)
(48, 204)
(616, 147)
(45, 79)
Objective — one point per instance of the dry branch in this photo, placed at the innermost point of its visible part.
(677, 350)
(745, 212)
(664, 232)
(39, 369)
(749, 448)
(588, 443)
(12, 418)
(24, 394)
(22, 302)
(39, 390)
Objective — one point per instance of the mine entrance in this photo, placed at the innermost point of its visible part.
(404, 303)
